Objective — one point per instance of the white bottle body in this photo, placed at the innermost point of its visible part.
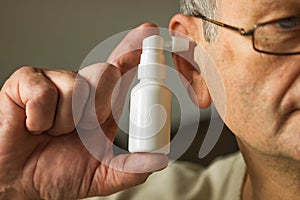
(150, 117)
(150, 105)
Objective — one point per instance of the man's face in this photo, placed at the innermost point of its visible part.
(262, 91)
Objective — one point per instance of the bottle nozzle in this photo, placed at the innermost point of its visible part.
(152, 64)
(180, 44)
(155, 42)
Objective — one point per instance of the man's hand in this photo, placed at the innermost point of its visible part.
(41, 155)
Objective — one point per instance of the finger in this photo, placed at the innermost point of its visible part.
(64, 81)
(106, 99)
(127, 54)
(102, 79)
(129, 170)
(32, 91)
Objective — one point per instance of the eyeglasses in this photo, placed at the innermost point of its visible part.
(276, 37)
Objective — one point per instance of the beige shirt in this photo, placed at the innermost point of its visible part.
(222, 180)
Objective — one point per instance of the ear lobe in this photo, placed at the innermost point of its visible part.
(193, 82)
(183, 25)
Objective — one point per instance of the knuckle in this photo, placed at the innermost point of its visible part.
(40, 90)
(45, 92)
(69, 74)
(21, 73)
(25, 70)
(63, 80)
(74, 82)
(68, 90)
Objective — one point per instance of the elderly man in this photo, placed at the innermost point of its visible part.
(255, 46)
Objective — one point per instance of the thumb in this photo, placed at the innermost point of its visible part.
(139, 163)
(125, 171)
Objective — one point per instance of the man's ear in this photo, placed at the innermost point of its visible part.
(183, 25)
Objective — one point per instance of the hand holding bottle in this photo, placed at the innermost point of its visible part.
(41, 155)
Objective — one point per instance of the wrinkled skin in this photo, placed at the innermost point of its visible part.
(257, 95)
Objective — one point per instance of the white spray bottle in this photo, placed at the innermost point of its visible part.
(150, 104)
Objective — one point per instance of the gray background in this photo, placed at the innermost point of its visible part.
(60, 33)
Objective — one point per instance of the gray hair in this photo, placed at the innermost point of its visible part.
(207, 8)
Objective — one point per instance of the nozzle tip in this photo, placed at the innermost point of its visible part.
(180, 44)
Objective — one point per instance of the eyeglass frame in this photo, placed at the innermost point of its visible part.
(244, 32)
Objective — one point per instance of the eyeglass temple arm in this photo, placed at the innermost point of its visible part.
(240, 30)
